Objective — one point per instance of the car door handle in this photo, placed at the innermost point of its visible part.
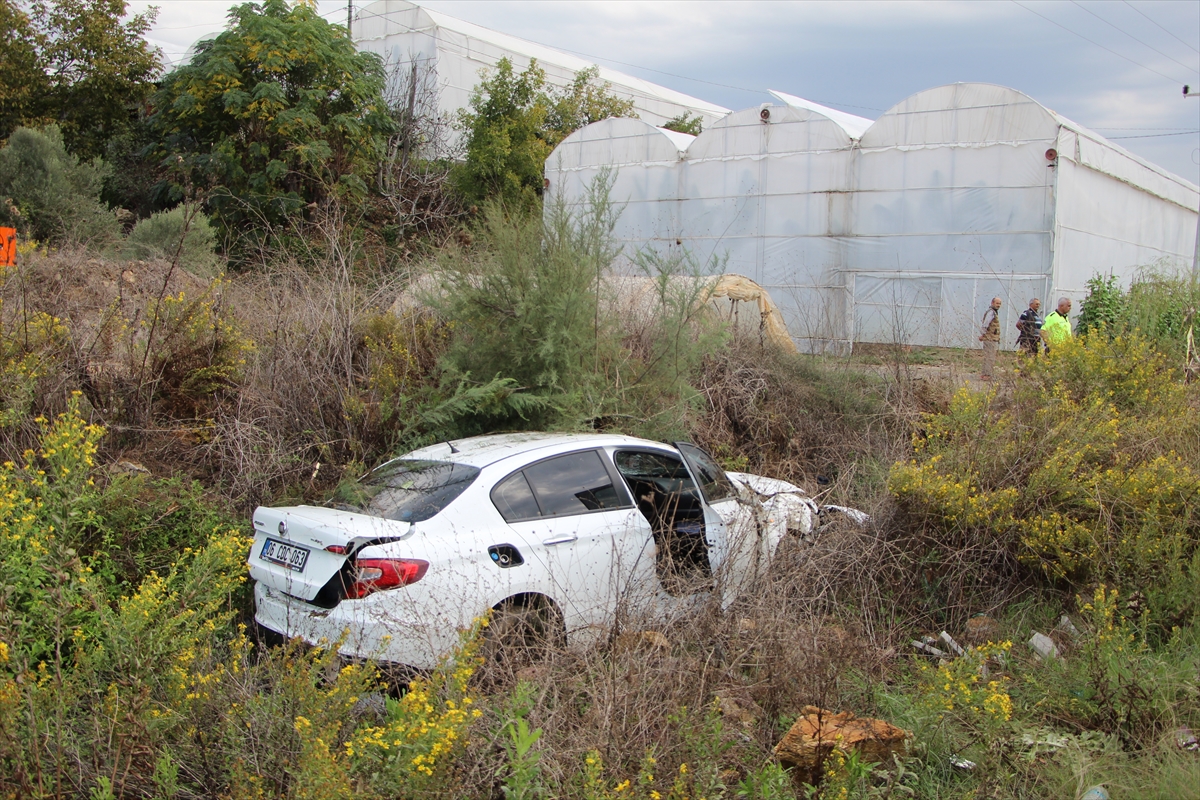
(560, 539)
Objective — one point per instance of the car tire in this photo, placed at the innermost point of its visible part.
(521, 634)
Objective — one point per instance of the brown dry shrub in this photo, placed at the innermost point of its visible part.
(248, 384)
(714, 689)
(818, 422)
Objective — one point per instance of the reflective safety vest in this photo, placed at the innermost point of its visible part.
(1056, 328)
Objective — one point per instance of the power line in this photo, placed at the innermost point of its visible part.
(1155, 135)
(1160, 27)
(1092, 41)
(1131, 36)
(659, 71)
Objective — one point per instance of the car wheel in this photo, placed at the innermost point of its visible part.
(521, 634)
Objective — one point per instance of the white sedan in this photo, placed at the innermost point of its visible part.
(579, 528)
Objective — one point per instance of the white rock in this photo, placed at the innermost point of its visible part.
(1044, 646)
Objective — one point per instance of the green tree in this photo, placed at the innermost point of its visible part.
(685, 123)
(505, 153)
(276, 115)
(585, 101)
(48, 194)
(77, 64)
(514, 123)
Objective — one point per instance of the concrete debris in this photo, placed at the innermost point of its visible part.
(818, 731)
(1044, 646)
(127, 468)
(925, 647)
(742, 712)
(1066, 626)
(949, 640)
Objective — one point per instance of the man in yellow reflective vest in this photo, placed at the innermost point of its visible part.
(1057, 328)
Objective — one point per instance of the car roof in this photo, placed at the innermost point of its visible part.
(481, 451)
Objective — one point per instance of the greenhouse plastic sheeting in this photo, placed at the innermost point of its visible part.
(898, 230)
(456, 51)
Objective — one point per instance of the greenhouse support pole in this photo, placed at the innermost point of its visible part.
(1188, 92)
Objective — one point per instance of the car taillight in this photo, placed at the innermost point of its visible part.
(374, 574)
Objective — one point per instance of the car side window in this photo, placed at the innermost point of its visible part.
(573, 484)
(713, 480)
(514, 499)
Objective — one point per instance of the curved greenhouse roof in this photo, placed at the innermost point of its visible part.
(903, 229)
(404, 33)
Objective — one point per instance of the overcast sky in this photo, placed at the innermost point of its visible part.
(1114, 66)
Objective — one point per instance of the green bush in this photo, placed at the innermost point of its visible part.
(48, 194)
(1160, 304)
(525, 309)
(182, 235)
(1090, 472)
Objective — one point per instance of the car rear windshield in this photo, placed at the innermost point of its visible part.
(413, 491)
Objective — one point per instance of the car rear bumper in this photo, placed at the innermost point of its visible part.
(365, 629)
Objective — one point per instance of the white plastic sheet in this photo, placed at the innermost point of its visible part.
(954, 196)
(456, 51)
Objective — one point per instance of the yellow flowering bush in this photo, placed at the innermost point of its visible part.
(962, 688)
(30, 346)
(414, 747)
(76, 661)
(1090, 471)
(643, 786)
(188, 348)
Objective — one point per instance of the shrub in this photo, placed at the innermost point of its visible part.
(525, 309)
(1103, 308)
(183, 353)
(1091, 472)
(31, 346)
(48, 195)
(1160, 304)
(181, 235)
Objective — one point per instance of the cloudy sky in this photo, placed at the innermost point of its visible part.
(1114, 66)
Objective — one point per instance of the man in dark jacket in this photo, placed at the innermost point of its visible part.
(1029, 338)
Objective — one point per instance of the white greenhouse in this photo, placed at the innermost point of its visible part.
(899, 230)
(454, 52)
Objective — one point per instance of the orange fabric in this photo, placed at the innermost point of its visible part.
(8, 247)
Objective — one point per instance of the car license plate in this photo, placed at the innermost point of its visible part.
(286, 555)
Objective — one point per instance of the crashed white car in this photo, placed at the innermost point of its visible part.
(579, 527)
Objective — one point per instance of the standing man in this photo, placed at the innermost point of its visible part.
(1029, 339)
(1057, 328)
(990, 336)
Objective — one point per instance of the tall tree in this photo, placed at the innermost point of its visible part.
(78, 64)
(514, 123)
(275, 114)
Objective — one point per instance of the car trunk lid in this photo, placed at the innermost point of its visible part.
(298, 550)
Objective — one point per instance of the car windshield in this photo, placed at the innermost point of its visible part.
(412, 491)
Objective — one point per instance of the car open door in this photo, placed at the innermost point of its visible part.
(734, 533)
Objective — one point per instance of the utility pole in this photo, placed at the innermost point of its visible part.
(1188, 91)
(1191, 360)
(350, 19)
